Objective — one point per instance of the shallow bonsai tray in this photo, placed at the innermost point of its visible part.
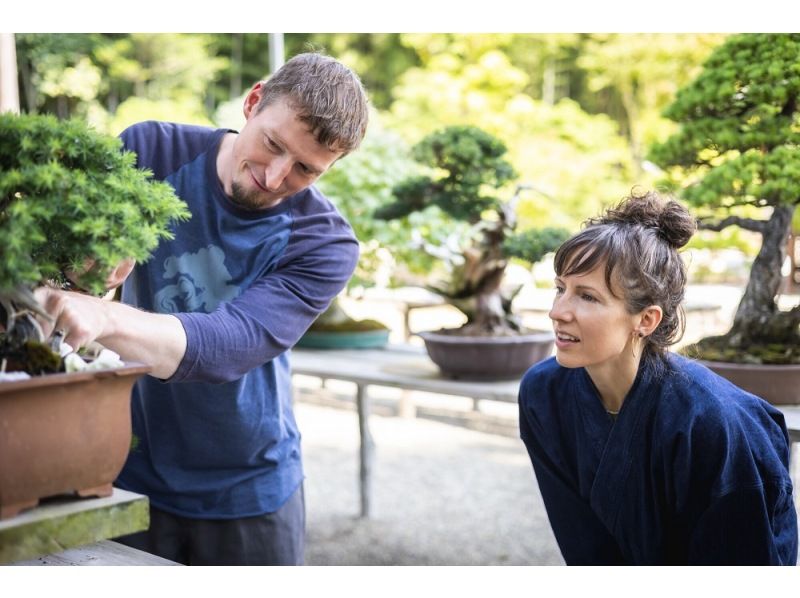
(63, 434)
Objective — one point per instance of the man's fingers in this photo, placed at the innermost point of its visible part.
(77, 337)
(44, 296)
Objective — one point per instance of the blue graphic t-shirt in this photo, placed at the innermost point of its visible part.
(218, 439)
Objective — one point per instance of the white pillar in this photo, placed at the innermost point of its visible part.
(276, 58)
(9, 90)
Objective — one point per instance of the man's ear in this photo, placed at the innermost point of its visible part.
(252, 100)
(120, 273)
(649, 319)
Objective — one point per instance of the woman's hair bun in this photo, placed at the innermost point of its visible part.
(669, 218)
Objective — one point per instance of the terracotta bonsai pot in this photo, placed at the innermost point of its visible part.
(63, 433)
(778, 384)
(486, 357)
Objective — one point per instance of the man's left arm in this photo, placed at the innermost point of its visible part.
(268, 318)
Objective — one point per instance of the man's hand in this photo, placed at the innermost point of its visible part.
(82, 318)
(157, 340)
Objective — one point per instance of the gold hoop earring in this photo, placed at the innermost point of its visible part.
(636, 342)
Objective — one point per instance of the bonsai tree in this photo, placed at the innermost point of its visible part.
(72, 207)
(358, 186)
(469, 171)
(737, 152)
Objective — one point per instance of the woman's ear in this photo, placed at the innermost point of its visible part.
(649, 319)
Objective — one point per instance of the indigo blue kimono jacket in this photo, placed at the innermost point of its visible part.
(693, 470)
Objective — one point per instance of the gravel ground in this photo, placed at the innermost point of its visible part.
(442, 495)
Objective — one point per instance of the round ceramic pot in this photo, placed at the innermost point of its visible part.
(367, 339)
(486, 357)
(778, 384)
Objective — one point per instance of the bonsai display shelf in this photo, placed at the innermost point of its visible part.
(397, 366)
(62, 523)
(409, 368)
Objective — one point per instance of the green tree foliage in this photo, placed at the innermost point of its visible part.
(68, 195)
(736, 149)
(474, 162)
(361, 184)
(160, 75)
(575, 161)
(468, 171)
(57, 74)
(113, 80)
(378, 58)
(643, 71)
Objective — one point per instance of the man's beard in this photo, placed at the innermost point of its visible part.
(247, 199)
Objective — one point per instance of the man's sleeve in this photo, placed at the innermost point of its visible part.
(268, 318)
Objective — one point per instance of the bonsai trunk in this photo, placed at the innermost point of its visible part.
(477, 287)
(758, 319)
(485, 313)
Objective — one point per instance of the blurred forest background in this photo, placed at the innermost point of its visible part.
(577, 112)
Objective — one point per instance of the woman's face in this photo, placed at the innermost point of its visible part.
(592, 326)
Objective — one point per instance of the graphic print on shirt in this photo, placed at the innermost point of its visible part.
(199, 282)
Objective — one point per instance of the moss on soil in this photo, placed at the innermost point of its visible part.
(717, 348)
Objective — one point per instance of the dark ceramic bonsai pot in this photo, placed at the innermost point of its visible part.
(486, 357)
(777, 384)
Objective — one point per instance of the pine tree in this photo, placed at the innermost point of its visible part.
(471, 170)
(738, 148)
(69, 196)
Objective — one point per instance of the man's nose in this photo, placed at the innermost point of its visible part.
(276, 172)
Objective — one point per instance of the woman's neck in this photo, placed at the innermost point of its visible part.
(614, 380)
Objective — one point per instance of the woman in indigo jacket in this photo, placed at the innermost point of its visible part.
(643, 456)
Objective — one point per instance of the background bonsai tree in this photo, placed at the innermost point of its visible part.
(358, 186)
(469, 171)
(70, 201)
(737, 156)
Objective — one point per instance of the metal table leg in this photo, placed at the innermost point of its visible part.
(367, 449)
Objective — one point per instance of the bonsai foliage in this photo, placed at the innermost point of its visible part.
(70, 198)
(469, 170)
(737, 150)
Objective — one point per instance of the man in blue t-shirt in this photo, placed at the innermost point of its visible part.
(216, 310)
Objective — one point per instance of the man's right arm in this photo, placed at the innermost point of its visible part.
(157, 340)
